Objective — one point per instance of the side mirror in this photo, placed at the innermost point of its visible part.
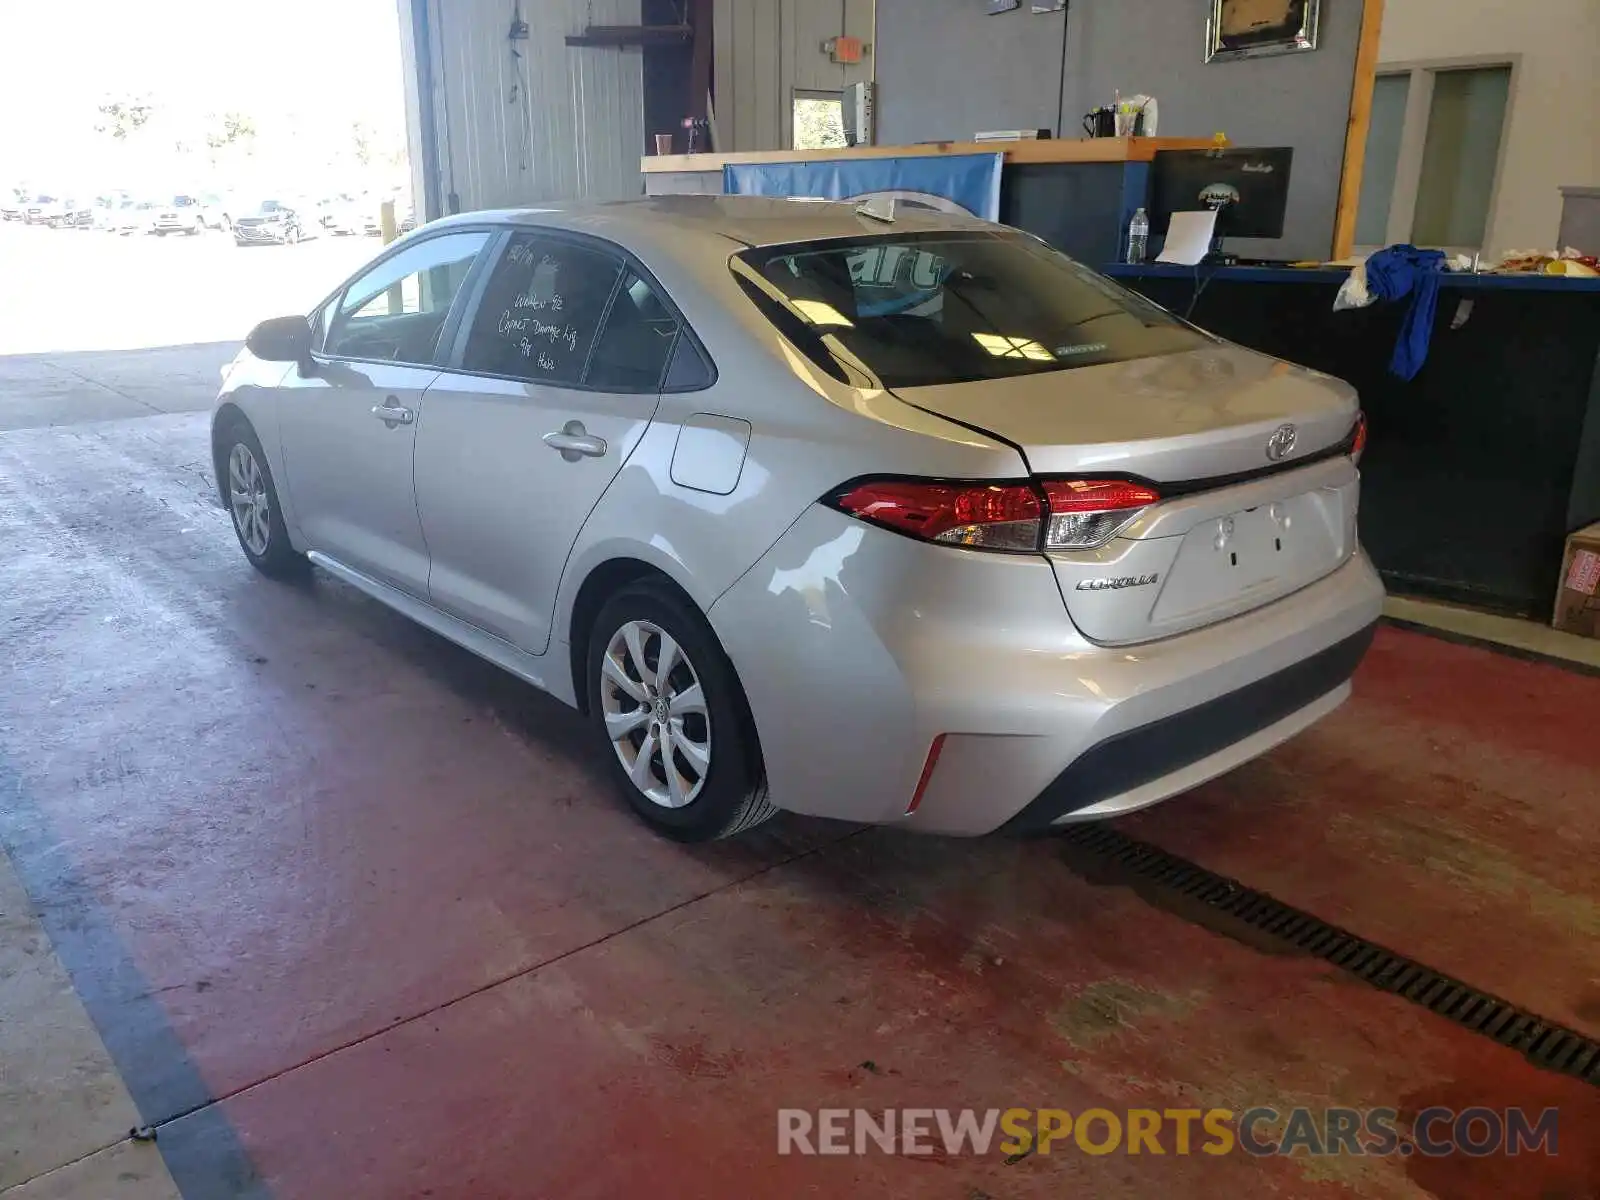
(281, 339)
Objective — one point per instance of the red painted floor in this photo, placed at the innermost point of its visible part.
(1447, 812)
(368, 891)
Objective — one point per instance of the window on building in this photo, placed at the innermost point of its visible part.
(1433, 155)
(818, 120)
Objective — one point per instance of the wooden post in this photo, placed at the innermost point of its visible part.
(1355, 137)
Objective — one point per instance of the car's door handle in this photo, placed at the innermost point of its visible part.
(391, 412)
(575, 443)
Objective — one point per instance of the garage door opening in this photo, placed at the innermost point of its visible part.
(143, 141)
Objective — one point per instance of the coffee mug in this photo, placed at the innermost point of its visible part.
(1100, 122)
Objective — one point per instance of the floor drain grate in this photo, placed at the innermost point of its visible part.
(1544, 1043)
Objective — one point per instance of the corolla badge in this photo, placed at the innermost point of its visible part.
(1281, 444)
(1116, 585)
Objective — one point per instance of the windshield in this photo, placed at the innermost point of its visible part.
(269, 206)
(921, 309)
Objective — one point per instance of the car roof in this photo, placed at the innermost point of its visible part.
(670, 221)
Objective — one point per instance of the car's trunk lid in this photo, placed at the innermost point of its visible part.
(1247, 515)
(1201, 414)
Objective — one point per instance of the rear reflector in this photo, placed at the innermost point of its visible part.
(1052, 514)
(1358, 438)
(934, 751)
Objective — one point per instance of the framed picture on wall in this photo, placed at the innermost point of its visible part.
(1252, 28)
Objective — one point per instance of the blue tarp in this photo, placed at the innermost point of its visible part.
(970, 182)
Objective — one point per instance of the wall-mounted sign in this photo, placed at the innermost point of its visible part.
(1044, 6)
(1000, 6)
(843, 49)
(1253, 28)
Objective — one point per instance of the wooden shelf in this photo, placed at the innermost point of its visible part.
(1044, 150)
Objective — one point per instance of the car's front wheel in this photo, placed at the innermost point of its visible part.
(668, 707)
(252, 501)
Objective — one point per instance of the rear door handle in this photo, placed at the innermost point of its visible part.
(575, 443)
(391, 412)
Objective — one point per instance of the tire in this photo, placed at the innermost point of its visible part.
(729, 795)
(274, 557)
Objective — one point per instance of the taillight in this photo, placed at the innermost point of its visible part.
(1087, 513)
(1052, 514)
(1000, 516)
(1358, 438)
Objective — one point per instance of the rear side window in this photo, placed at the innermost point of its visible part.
(633, 347)
(923, 309)
(540, 311)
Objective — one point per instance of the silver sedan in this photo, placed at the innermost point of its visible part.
(885, 516)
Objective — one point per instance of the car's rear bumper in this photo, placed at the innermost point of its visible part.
(858, 649)
(1143, 766)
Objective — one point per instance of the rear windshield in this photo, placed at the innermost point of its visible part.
(921, 309)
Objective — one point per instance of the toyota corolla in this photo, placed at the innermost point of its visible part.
(894, 517)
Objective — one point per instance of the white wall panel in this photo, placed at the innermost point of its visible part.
(558, 122)
(766, 50)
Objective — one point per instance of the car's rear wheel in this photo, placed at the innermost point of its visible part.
(252, 501)
(669, 709)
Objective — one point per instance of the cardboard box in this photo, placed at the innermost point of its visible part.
(1578, 594)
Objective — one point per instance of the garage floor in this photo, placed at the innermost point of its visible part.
(342, 911)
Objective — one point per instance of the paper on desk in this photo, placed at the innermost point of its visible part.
(1189, 237)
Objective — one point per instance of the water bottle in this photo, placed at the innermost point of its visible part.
(1138, 236)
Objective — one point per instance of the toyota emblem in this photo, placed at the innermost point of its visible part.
(1281, 444)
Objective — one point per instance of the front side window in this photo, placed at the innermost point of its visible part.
(922, 309)
(394, 312)
(541, 310)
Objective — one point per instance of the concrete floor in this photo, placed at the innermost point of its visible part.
(342, 911)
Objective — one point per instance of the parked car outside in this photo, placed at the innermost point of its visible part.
(913, 522)
(344, 215)
(216, 211)
(42, 209)
(140, 219)
(75, 214)
(180, 214)
(274, 221)
(405, 218)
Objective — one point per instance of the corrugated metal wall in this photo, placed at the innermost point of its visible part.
(558, 122)
(766, 50)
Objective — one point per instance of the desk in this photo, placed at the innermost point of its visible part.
(1478, 468)
(1077, 194)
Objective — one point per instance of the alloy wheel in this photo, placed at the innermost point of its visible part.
(655, 714)
(247, 494)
